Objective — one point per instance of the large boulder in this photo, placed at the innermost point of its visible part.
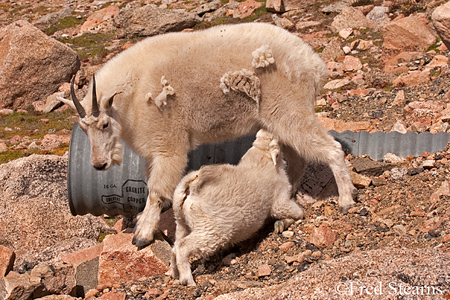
(441, 22)
(32, 65)
(408, 34)
(35, 218)
(150, 20)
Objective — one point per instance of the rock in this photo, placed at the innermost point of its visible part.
(413, 78)
(352, 63)
(351, 17)
(3, 147)
(336, 83)
(207, 7)
(113, 296)
(246, 8)
(287, 234)
(378, 14)
(438, 61)
(345, 33)
(52, 19)
(322, 236)
(305, 24)
(287, 245)
(35, 188)
(408, 34)
(122, 262)
(33, 65)
(282, 22)
(17, 286)
(360, 181)
(423, 109)
(51, 103)
(85, 263)
(264, 270)
(391, 158)
(400, 98)
(341, 126)
(55, 279)
(398, 174)
(336, 7)
(6, 111)
(149, 20)
(275, 6)
(100, 20)
(332, 50)
(54, 141)
(428, 164)
(369, 167)
(228, 260)
(7, 257)
(441, 22)
(399, 126)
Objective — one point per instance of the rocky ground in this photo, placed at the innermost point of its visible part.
(399, 231)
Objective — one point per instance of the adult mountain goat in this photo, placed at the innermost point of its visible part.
(170, 93)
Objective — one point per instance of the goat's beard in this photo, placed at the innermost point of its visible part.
(117, 155)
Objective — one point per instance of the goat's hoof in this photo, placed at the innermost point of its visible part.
(188, 282)
(141, 242)
(278, 227)
(344, 209)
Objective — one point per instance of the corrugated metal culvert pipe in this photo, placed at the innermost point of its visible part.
(122, 190)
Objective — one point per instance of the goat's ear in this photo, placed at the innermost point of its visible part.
(274, 153)
(107, 104)
(67, 101)
(274, 149)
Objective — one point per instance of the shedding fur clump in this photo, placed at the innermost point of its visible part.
(161, 99)
(262, 57)
(244, 81)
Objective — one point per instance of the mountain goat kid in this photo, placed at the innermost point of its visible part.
(170, 93)
(220, 205)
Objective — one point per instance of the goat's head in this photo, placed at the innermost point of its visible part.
(102, 129)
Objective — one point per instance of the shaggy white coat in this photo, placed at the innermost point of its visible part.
(220, 205)
(164, 97)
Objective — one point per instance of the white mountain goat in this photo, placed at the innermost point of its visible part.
(220, 205)
(170, 93)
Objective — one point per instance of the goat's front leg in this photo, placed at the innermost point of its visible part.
(166, 172)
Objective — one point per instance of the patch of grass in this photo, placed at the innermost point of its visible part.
(435, 46)
(30, 125)
(90, 45)
(258, 13)
(67, 22)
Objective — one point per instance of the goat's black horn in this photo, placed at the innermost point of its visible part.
(95, 110)
(78, 106)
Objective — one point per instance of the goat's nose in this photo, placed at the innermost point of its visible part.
(100, 167)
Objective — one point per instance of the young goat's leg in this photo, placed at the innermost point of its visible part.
(286, 211)
(166, 172)
(181, 232)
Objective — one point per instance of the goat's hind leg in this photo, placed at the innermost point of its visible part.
(313, 143)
